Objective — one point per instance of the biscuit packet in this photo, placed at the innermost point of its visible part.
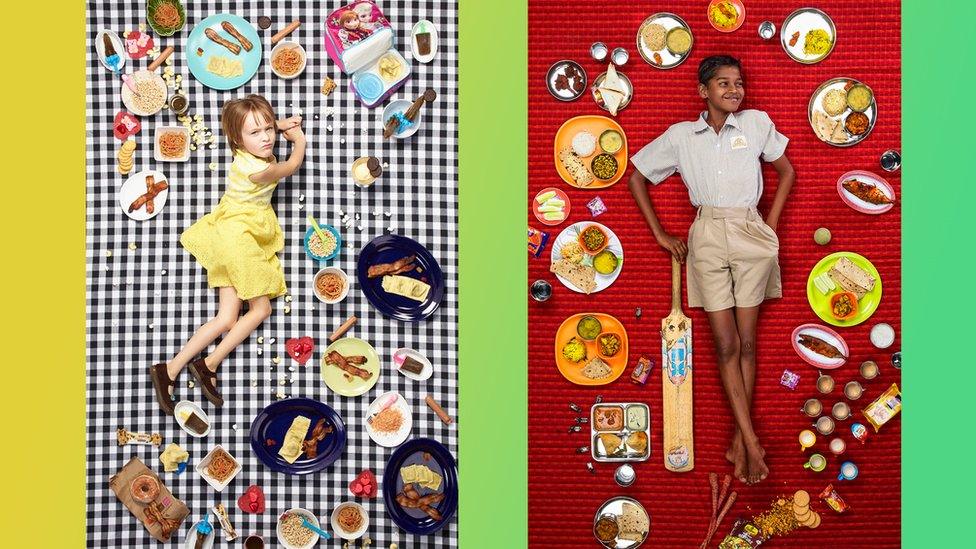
(744, 535)
(884, 407)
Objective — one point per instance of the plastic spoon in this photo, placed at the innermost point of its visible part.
(316, 529)
(127, 78)
(315, 226)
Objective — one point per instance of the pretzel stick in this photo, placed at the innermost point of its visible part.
(349, 323)
(285, 31)
(162, 57)
(718, 521)
(438, 410)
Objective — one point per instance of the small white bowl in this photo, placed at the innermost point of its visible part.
(201, 469)
(186, 405)
(311, 518)
(338, 271)
(288, 44)
(401, 106)
(339, 532)
(158, 153)
(424, 374)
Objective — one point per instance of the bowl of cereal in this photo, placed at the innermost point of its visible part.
(350, 520)
(292, 534)
(331, 285)
(316, 249)
(147, 93)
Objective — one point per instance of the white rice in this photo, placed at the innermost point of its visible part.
(584, 144)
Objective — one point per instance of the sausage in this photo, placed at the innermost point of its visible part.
(240, 37)
(285, 31)
(212, 34)
(438, 410)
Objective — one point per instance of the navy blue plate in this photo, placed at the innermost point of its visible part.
(273, 422)
(442, 462)
(387, 249)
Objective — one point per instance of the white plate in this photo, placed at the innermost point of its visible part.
(826, 334)
(116, 43)
(861, 205)
(804, 20)
(668, 60)
(191, 537)
(128, 96)
(201, 469)
(288, 44)
(158, 154)
(389, 440)
(311, 518)
(339, 532)
(570, 234)
(135, 186)
(192, 407)
(433, 42)
(402, 353)
(401, 106)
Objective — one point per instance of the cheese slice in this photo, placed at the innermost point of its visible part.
(291, 447)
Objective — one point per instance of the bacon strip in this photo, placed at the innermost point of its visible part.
(399, 266)
(340, 361)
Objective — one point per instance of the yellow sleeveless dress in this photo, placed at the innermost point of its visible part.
(238, 242)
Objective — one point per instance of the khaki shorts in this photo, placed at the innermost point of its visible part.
(732, 259)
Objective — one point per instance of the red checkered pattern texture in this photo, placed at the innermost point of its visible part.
(563, 496)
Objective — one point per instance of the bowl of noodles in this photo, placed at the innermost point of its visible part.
(166, 17)
(288, 59)
(171, 144)
(330, 285)
(218, 468)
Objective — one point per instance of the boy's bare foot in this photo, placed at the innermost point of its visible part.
(757, 466)
(739, 459)
(736, 447)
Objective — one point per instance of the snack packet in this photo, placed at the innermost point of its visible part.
(884, 407)
(537, 241)
(642, 370)
(744, 535)
(833, 499)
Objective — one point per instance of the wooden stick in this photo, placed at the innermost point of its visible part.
(349, 323)
(285, 31)
(162, 57)
(718, 521)
(438, 410)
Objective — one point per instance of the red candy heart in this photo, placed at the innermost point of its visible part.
(300, 349)
(251, 501)
(364, 485)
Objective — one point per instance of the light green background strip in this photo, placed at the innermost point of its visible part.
(492, 247)
(938, 235)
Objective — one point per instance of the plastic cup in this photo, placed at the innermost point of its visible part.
(848, 471)
(816, 463)
(807, 439)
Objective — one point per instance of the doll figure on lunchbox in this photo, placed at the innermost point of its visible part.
(359, 38)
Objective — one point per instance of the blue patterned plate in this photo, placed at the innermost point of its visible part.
(416, 521)
(387, 249)
(273, 422)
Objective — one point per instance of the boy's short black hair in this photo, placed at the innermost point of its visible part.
(710, 65)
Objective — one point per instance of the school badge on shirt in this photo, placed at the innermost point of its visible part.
(739, 142)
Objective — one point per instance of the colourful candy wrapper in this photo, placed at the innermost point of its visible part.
(789, 380)
(859, 431)
(833, 499)
(884, 407)
(641, 370)
(596, 206)
(537, 241)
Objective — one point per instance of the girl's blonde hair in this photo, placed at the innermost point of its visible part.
(234, 113)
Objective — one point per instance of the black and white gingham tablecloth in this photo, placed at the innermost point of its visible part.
(143, 304)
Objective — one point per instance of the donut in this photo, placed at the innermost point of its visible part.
(144, 488)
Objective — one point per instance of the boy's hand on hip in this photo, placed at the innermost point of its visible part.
(772, 224)
(675, 245)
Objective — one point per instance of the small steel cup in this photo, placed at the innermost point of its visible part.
(767, 30)
(890, 160)
(541, 290)
(598, 51)
(619, 56)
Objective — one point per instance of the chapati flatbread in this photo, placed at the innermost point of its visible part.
(581, 276)
(633, 522)
(596, 368)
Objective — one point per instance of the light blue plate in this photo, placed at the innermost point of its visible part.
(198, 63)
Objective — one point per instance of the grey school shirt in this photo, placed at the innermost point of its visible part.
(720, 170)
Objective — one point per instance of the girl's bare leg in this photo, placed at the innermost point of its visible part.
(227, 312)
(728, 347)
(258, 310)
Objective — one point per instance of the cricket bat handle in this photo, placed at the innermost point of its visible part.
(675, 284)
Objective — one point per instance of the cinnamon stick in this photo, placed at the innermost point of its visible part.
(162, 57)
(438, 410)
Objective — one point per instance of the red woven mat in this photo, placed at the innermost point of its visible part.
(563, 496)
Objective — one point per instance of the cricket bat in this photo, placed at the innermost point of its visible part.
(676, 380)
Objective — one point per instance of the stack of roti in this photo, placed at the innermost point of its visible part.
(828, 129)
(633, 522)
(852, 278)
(577, 170)
(596, 368)
(612, 91)
(581, 276)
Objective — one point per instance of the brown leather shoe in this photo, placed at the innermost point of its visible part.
(162, 383)
(207, 381)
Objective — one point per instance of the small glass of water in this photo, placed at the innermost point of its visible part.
(541, 290)
(599, 51)
(767, 30)
(890, 160)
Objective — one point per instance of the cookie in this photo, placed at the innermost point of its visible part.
(816, 522)
(801, 498)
